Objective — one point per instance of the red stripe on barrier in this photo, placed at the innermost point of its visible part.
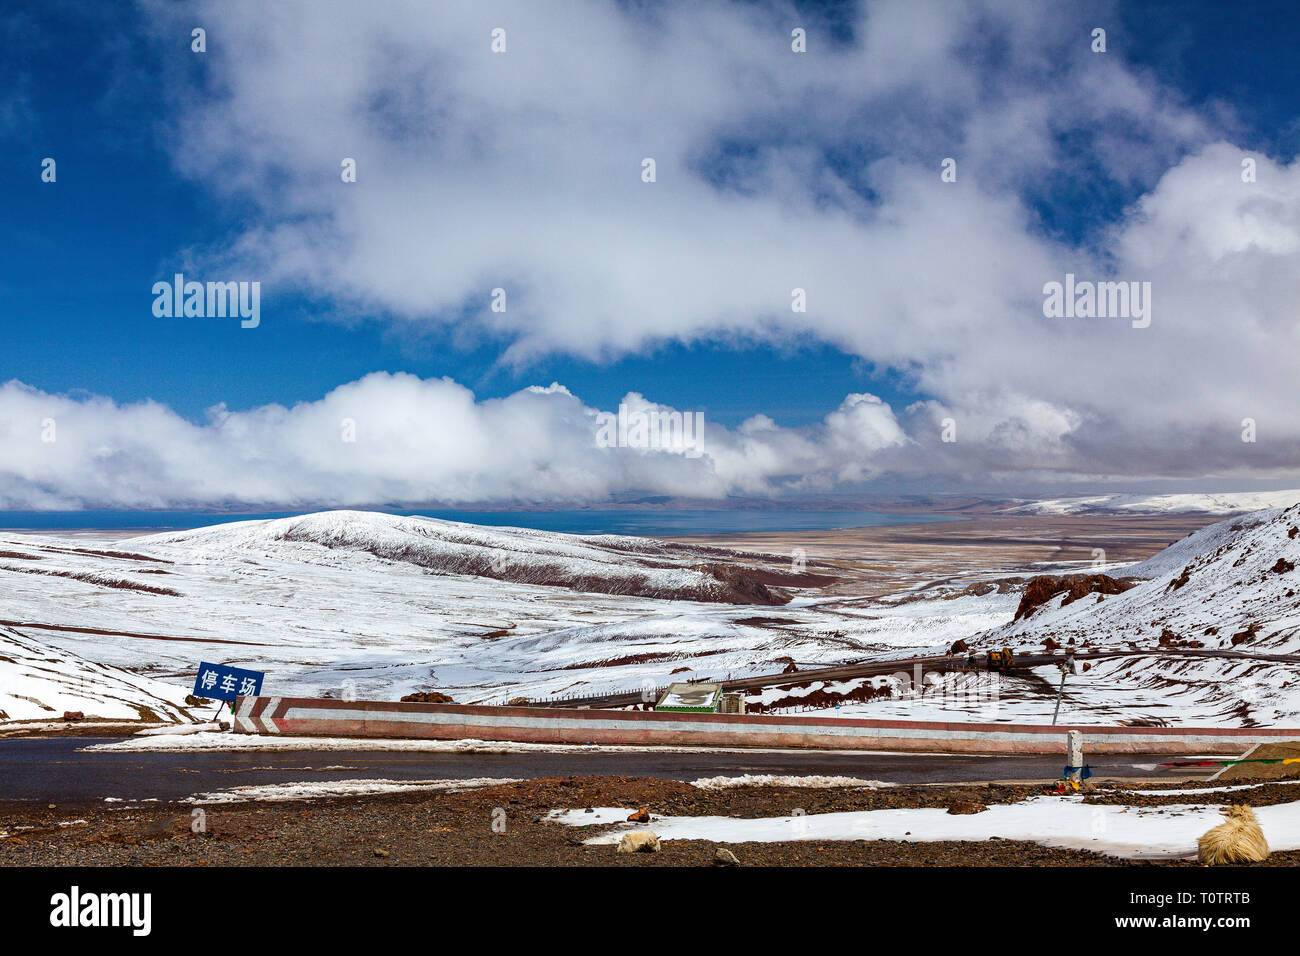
(545, 725)
(638, 716)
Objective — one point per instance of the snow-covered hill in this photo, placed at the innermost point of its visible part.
(1200, 543)
(1234, 584)
(604, 564)
(41, 682)
(1214, 504)
(382, 606)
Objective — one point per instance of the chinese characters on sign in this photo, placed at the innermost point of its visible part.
(223, 682)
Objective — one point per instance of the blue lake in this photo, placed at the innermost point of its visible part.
(667, 523)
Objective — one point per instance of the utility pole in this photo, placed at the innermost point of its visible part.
(1060, 692)
(1066, 668)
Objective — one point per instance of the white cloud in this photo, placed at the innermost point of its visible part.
(399, 439)
(521, 170)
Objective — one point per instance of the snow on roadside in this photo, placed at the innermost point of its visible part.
(225, 741)
(179, 729)
(772, 780)
(184, 743)
(1196, 790)
(324, 789)
(25, 827)
(1142, 833)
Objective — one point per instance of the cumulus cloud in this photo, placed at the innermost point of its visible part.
(396, 439)
(775, 171)
(399, 439)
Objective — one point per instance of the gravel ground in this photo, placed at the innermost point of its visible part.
(1262, 793)
(456, 829)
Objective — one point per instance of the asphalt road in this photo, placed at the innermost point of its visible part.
(54, 770)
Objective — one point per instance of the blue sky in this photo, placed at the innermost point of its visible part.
(78, 257)
(118, 98)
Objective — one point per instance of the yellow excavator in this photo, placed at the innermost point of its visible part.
(1001, 660)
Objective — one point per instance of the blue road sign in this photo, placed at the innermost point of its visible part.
(223, 682)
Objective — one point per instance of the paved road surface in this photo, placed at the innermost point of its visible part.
(52, 770)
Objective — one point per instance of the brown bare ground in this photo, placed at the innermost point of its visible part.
(446, 829)
(872, 562)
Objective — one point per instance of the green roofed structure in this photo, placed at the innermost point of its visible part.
(691, 698)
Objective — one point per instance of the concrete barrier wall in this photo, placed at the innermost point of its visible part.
(311, 717)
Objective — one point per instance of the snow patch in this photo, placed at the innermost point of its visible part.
(324, 789)
(1142, 833)
(773, 780)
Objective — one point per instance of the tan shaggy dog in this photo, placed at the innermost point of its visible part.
(1237, 840)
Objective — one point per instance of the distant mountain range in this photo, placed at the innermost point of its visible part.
(1226, 503)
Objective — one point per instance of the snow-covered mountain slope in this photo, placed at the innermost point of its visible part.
(605, 564)
(382, 606)
(1215, 504)
(39, 682)
(1199, 543)
(1231, 585)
